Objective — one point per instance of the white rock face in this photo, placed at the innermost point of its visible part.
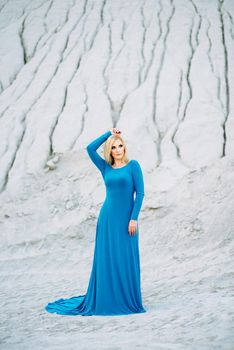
(162, 72)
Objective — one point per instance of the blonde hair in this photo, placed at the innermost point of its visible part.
(108, 148)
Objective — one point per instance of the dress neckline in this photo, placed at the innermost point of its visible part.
(121, 166)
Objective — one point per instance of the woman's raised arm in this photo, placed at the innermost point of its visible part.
(92, 150)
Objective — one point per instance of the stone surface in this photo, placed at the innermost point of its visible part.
(162, 72)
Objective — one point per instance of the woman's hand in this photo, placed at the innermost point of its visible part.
(116, 131)
(132, 227)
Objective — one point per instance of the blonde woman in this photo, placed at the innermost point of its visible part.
(114, 285)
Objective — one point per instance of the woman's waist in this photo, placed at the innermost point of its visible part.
(125, 201)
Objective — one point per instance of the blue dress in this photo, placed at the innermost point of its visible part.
(114, 284)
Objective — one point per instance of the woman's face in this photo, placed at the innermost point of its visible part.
(117, 150)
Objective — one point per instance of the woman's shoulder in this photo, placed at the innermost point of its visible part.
(134, 162)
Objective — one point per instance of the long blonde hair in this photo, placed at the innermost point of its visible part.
(108, 148)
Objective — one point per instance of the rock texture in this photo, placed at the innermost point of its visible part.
(162, 72)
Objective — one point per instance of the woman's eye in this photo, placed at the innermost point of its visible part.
(113, 147)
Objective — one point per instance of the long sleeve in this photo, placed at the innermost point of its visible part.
(92, 151)
(139, 188)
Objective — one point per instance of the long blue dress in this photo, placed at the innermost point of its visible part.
(114, 285)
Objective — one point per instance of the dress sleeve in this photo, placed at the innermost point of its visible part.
(139, 188)
(92, 150)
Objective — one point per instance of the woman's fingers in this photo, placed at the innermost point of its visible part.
(132, 227)
(116, 130)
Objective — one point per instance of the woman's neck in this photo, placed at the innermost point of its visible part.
(118, 164)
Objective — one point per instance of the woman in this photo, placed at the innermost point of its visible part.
(114, 285)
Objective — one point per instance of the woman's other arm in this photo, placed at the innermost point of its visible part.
(139, 188)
